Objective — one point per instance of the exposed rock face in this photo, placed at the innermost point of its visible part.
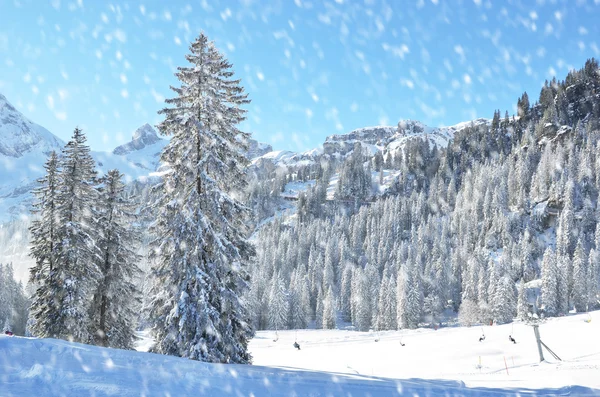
(344, 143)
(142, 137)
(257, 149)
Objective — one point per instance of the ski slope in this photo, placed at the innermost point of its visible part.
(452, 353)
(331, 363)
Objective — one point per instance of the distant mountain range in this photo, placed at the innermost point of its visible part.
(25, 145)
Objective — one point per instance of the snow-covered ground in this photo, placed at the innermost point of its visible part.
(331, 363)
(453, 353)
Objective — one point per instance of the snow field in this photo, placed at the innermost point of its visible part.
(330, 363)
(449, 353)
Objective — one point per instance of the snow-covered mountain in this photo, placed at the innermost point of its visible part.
(24, 147)
(19, 135)
(143, 137)
(372, 139)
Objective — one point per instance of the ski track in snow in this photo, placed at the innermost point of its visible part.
(331, 363)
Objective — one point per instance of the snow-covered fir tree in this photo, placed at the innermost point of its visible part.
(200, 248)
(44, 249)
(14, 305)
(112, 315)
(550, 275)
(279, 305)
(329, 310)
(66, 270)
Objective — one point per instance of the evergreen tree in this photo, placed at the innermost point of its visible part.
(580, 279)
(112, 312)
(550, 285)
(329, 312)
(44, 249)
(522, 305)
(14, 304)
(503, 303)
(66, 271)
(278, 304)
(200, 249)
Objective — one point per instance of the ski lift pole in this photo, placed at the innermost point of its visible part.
(536, 331)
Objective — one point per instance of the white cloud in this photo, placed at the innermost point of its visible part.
(157, 97)
(120, 35)
(226, 14)
(558, 15)
(63, 94)
(407, 83)
(61, 116)
(399, 52)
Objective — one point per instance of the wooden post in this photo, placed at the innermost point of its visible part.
(505, 365)
(536, 331)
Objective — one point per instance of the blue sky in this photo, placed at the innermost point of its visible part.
(311, 68)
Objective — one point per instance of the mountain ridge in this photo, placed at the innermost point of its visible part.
(25, 145)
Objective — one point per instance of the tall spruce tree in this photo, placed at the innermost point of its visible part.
(200, 249)
(550, 285)
(76, 270)
(44, 249)
(112, 312)
(64, 244)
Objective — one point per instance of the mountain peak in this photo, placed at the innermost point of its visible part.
(145, 132)
(142, 137)
(18, 135)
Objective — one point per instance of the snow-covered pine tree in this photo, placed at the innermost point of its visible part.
(580, 278)
(4, 296)
(414, 298)
(14, 304)
(503, 304)
(279, 305)
(550, 275)
(319, 309)
(298, 313)
(522, 304)
(200, 248)
(44, 249)
(76, 272)
(112, 312)
(593, 282)
(346, 293)
(329, 312)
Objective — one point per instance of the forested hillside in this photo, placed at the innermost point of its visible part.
(467, 227)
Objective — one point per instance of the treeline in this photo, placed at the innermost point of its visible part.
(464, 229)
